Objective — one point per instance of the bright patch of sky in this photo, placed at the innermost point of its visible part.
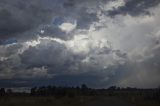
(114, 4)
(67, 27)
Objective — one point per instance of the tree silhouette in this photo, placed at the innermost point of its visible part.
(9, 91)
(2, 92)
(33, 91)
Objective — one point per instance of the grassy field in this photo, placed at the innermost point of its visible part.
(77, 101)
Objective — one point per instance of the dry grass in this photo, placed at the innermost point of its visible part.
(76, 101)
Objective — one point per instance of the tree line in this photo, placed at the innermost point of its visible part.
(60, 91)
(84, 90)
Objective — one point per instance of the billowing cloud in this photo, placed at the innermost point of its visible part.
(23, 18)
(70, 42)
(134, 7)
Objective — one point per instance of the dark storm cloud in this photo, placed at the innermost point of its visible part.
(65, 68)
(52, 53)
(79, 10)
(68, 67)
(62, 80)
(9, 50)
(73, 80)
(54, 31)
(134, 7)
(120, 54)
(21, 18)
(62, 58)
(54, 56)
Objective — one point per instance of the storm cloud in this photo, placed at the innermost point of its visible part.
(71, 42)
(21, 18)
(135, 7)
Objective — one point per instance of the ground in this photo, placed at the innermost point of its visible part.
(76, 101)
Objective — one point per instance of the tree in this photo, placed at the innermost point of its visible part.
(9, 91)
(2, 92)
(84, 89)
(112, 88)
(33, 91)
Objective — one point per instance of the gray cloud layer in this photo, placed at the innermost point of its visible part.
(70, 42)
(135, 7)
(20, 18)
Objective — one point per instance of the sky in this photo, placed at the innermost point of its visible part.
(70, 42)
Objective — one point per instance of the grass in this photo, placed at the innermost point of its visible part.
(117, 100)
